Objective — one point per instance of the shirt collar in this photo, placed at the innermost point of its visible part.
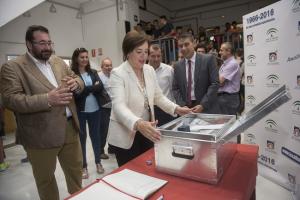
(36, 61)
(159, 67)
(193, 58)
(104, 74)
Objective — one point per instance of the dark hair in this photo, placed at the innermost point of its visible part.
(227, 25)
(32, 29)
(74, 64)
(201, 45)
(185, 36)
(155, 47)
(163, 17)
(132, 40)
(190, 30)
(239, 52)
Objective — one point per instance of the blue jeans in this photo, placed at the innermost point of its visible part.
(93, 120)
(104, 124)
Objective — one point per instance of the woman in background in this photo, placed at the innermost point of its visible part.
(134, 92)
(88, 105)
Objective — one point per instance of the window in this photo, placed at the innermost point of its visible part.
(11, 57)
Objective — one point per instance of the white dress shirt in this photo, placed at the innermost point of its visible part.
(105, 80)
(165, 74)
(193, 60)
(46, 69)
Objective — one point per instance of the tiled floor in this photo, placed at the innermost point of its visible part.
(18, 183)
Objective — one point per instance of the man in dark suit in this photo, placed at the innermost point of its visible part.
(38, 87)
(196, 79)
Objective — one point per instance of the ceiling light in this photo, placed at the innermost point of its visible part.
(79, 13)
(52, 8)
(27, 14)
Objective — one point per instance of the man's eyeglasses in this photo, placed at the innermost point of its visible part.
(44, 43)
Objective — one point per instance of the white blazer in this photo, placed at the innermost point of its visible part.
(128, 102)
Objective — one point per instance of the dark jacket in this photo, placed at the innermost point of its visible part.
(206, 82)
(96, 89)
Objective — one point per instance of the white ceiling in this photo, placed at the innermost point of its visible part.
(78, 3)
(179, 5)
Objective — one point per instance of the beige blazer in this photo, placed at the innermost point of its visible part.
(24, 90)
(128, 102)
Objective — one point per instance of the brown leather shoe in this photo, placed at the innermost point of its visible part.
(100, 169)
(104, 156)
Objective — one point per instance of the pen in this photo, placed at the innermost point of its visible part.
(161, 197)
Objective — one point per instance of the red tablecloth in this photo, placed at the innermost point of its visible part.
(238, 182)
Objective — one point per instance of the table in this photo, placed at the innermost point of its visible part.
(237, 183)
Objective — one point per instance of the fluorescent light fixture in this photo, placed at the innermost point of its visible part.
(52, 8)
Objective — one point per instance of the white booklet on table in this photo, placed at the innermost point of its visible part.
(123, 185)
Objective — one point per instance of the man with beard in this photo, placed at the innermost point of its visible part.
(195, 78)
(164, 75)
(39, 87)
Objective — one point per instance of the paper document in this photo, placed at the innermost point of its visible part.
(206, 127)
(134, 183)
(102, 190)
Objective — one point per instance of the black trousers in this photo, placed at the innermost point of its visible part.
(104, 124)
(140, 145)
(229, 103)
(162, 117)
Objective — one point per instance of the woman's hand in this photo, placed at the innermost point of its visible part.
(182, 110)
(148, 130)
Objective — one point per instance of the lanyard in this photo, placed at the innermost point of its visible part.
(144, 92)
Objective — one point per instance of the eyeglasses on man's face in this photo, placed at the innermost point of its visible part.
(43, 43)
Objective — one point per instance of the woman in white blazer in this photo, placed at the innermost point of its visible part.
(134, 92)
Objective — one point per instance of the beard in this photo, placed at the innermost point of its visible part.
(42, 55)
(155, 64)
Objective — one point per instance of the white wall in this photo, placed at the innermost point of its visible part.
(10, 9)
(65, 31)
(153, 12)
(99, 28)
(101, 31)
(132, 8)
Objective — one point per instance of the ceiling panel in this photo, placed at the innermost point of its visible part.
(77, 3)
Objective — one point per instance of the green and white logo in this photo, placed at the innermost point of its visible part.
(271, 125)
(251, 60)
(272, 35)
(296, 107)
(272, 80)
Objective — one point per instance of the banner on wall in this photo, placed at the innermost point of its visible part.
(272, 58)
